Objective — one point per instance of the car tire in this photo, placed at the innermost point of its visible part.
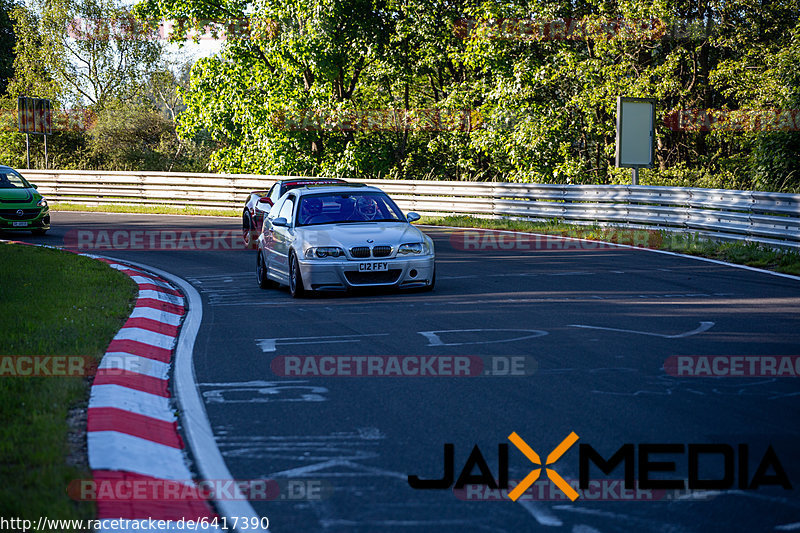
(295, 278)
(261, 273)
(247, 232)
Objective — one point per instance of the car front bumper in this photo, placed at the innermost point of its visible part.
(33, 218)
(329, 274)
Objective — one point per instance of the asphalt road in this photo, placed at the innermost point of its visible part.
(597, 324)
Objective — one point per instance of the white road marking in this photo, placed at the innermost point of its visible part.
(270, 345)
(435, 340)
(357, 469)
(264, 392)
(704, 326)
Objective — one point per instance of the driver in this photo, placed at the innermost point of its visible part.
(310, 208)
(367, 208)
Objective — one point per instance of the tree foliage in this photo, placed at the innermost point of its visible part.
(80, 51)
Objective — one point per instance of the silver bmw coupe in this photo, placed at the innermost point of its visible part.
(339, 237)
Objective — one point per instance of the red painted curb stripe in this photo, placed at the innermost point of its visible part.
(131, 380)
(139, 348)
(108, 484)
(169, 510)
(152, 325)
(160, 305)
(145, 427)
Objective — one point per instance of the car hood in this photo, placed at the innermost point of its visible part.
(16, 195)
(358, 233)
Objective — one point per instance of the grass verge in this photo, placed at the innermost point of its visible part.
(53, 303)
(146, 209)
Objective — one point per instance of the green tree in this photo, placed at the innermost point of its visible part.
(83, 51)
(7, 41)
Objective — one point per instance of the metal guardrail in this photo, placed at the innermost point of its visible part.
(765, 217)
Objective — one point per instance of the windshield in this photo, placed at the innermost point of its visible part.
(11, 180)
(346, 207)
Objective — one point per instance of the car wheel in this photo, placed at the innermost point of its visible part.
(295, 278)
(261, 273)
(247, 232)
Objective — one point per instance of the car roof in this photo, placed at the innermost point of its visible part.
(295, 181)
(346, 187)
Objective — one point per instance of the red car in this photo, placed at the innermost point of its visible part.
(260, 202)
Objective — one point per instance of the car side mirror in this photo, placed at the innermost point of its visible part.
(34, 186)
(413, 217)
(280, 221)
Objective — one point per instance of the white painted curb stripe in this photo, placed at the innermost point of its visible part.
(135, 363)
(151, 281)
(112, 450)
(135, 401)
(146, 336)
(157, 314)
(161, 296)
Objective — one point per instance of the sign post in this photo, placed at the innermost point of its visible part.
(35, 117)
(636, 119)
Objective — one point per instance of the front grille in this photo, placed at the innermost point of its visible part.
(382, 251)
(369, 278)
(359, 251)
(27, 214)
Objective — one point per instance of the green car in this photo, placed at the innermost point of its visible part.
(21, 207)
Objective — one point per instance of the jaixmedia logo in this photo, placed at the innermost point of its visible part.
(645, 467)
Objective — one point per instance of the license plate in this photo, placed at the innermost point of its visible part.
(19, 224)
(373, 267)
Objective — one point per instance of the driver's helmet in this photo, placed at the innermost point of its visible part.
(311, 207)
(366, 207)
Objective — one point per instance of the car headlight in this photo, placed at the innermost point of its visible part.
(324, 251)
(415, 248)
(42, 203)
